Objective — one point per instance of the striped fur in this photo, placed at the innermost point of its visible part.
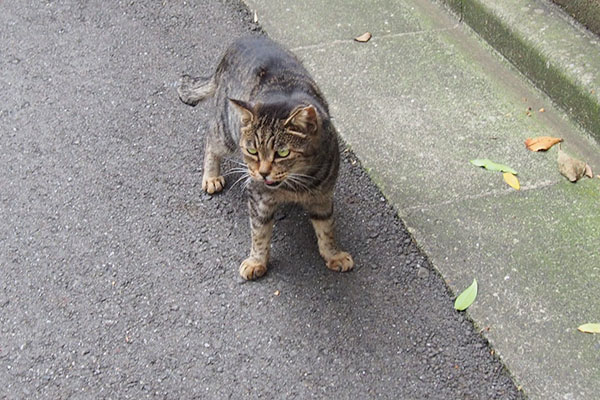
(269, 111)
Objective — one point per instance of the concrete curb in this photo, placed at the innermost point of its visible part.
(547, 46)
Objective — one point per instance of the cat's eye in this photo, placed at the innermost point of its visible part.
(252, 151)
(283, 152)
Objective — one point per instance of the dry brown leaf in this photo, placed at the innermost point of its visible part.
(588, 171)
(542, 110)
(572, 168)
(365, 37)
(541, 143)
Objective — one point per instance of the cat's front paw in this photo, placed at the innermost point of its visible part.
(213, 184)
(252, 269)
(341, 262)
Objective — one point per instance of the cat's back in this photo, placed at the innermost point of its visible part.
(256, 68)
(260, 53)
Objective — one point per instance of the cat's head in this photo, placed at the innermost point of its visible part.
(278, 141)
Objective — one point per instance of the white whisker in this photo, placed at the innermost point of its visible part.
(248, 180)
(298, 182)
(233, 171)
(245, 176)
(235, 161)
(288, 184)
(295, 174)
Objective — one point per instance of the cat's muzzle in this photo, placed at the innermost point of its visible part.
(272, 184)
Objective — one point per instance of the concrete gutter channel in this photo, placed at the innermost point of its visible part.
(425, 96)
(546, 45)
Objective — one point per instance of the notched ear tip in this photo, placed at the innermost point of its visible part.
(311, 113)
(235, 102)
(239, 103)
(305, 118)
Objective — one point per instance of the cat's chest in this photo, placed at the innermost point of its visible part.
(280, 196)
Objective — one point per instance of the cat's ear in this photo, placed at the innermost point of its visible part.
(304, 118)
(245, 110)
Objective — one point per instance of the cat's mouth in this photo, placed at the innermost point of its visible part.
(272, 184)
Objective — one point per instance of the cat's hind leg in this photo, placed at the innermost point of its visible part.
(321, 217)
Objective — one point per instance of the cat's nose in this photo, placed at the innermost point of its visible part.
(264, 174)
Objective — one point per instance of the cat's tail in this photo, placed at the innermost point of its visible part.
(193, 90)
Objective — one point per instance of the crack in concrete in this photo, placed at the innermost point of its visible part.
(493, 193)
(373, 39)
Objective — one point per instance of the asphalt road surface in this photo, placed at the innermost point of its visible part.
(119, 277)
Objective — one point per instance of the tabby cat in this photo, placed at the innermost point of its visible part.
(268, 109)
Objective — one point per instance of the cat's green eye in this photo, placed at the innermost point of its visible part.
(283, 152)
(252, 151)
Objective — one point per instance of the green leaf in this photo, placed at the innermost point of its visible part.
(492, 166)
(589, 328)
(467, 297)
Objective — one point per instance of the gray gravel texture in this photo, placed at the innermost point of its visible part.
(120, 277)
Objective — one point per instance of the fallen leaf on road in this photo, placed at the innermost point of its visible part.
(511, 180)
(467, 297)
(541, 143)
(365, 37)
(492, 166)
(589, 328)
(571, 168)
